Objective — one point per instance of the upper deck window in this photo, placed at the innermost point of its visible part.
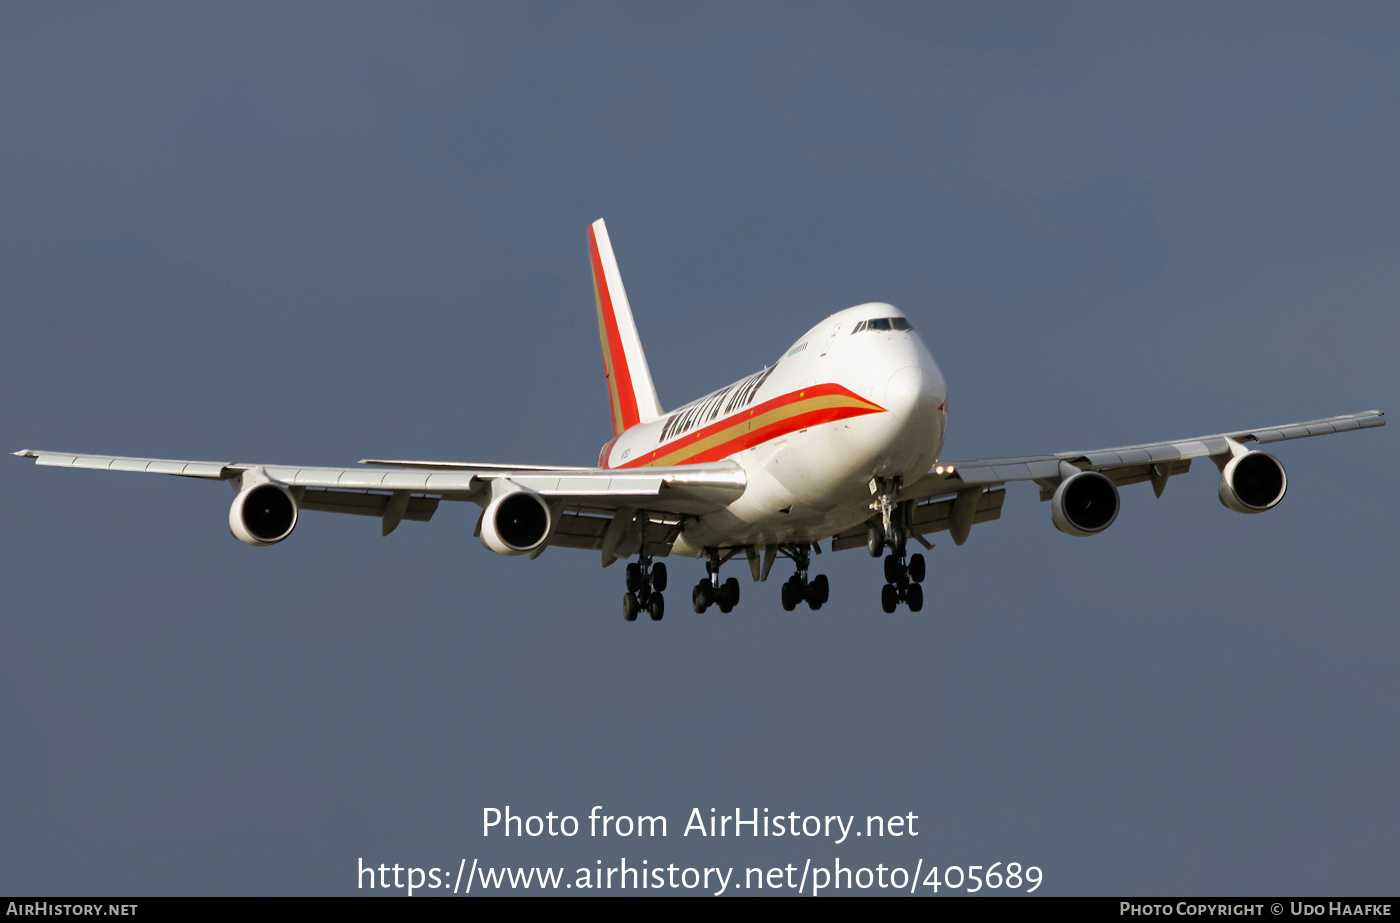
(882, 323)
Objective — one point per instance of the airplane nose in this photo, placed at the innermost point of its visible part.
(911, 392)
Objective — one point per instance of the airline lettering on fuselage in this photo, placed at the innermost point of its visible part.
(707, 409)
(777, 416)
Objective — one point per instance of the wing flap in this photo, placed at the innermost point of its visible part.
(363, 503)
(1125, 476)
(928, 518)
(581, 528)
(578, 530)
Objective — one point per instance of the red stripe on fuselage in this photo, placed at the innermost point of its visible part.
(748, 438)
(621, 385)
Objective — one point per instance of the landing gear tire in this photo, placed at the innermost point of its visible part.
(894, 573)
(658, 577)
(889, 598)
(699, 597)
(916, 568)
(814, 597)
(634, 577)
(656, 607)
(823, 589)
(897, 540)
(914, 597)
(875, 539)
(729, 592)
(629, 606)
(790, 594)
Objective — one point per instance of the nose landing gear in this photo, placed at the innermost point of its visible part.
(887, 528)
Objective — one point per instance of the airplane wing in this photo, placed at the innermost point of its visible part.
(955, 495)
(585, 500)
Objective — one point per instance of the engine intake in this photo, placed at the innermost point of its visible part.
(263, 514)
(1252, 482)
(515, 522)
(1084, 504)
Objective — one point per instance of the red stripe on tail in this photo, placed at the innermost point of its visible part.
(623, 399)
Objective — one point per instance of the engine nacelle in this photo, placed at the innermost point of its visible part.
(263, 514)
(1084, 504)
(1252, 482)
(515, 522)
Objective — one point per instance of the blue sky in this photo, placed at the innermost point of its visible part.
(330, 232)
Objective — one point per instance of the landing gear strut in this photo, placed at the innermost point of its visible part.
(645, 581)
(887, 527)
(710, 591)
(890, 529)
(798, 588)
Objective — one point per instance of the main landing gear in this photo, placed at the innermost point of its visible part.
(645, 581)
(903, 575)
(798, 588)
(902, 581)
(709, 591)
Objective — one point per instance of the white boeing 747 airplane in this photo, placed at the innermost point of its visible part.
(839, 440)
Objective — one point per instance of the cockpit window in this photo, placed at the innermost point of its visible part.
(882, 323)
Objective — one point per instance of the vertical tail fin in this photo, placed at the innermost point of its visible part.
(630, 389)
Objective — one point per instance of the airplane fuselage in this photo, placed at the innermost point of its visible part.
(857, 397)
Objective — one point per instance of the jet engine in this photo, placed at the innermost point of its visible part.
(1252, 482)
(515, 522)
(1084, 504)
(263, 514)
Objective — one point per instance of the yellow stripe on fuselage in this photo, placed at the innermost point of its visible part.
(680, 451)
